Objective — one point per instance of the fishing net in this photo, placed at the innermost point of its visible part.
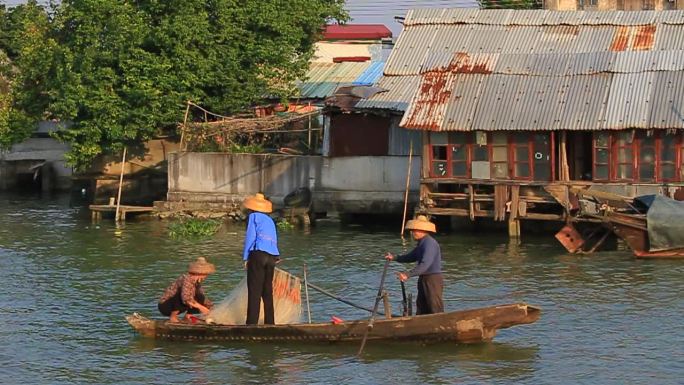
(287, 302)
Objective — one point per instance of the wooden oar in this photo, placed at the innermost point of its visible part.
(375, 307)
(403, 298)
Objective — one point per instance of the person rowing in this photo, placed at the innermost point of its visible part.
(428, 257)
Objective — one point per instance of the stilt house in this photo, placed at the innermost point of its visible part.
(518, 107)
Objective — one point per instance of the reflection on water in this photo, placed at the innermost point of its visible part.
(606, 318)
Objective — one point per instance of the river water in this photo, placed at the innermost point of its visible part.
(68, 283)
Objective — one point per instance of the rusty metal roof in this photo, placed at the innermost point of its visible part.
(470, 69)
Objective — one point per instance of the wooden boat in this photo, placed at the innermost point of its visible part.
(467, 326)
(632, 228)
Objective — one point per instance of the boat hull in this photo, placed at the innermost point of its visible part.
(634, 231)
(468, 326)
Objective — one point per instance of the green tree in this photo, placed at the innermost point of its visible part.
(24, 70)
(123, 70)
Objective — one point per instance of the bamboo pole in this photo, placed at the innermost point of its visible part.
(306, 294)
(375, 307)
(408, 181)
(118, 197)
(309, 133)
(185, 125)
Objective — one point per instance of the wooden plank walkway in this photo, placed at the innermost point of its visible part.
(97, 210)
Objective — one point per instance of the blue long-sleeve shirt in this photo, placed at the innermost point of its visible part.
(428, 255)
(261, 235)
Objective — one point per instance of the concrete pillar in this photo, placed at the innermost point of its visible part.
(8, 175)
(47, 177)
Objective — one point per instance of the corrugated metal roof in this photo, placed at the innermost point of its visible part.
(467, 70)
(371, 75)
(667, 107)
(629, 101)
(401, 90)
(324, 78)
(540, 17)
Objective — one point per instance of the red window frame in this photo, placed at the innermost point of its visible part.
(466, 140)
(636, 149)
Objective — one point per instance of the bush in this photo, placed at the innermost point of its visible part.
(194, 228)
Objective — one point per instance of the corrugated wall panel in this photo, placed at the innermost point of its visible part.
(629, 101)
(460, 112)
(667, 110)
(410, 50)
(584, 102)
(400, 92)
(560, 38)
(401, 140)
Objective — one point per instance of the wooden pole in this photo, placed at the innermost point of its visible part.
(306, 294)
(118, 197)
(386, 303)
(375, 307)
(185, 125)
(408, 180)
(309, 130)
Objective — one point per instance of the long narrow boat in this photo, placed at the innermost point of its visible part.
(467, 326)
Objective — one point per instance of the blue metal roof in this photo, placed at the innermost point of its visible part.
(371, 75)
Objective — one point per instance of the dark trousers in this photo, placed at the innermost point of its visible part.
(260, 267)
(176, 303)
(429, 299)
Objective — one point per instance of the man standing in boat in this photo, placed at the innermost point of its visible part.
(428, 256)
(185, 294)
(260, 254)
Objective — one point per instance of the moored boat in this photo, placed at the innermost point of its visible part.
(633, 230)
(466, 326)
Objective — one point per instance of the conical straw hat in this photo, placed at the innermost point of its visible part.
(201, 266)
(421, 223)
(258, 203)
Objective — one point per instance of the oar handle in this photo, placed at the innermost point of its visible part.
(375, 307)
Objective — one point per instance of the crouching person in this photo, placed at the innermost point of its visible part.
(185, 294)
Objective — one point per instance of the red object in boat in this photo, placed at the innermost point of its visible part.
(336, 320)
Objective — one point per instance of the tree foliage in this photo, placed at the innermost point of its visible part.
(121, 71)
(25, 64)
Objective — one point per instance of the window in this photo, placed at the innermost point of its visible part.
(499, 155)
(647, 157)
(638, 157)
(521, 155)
(624, 150)
(439, 157)
(542, 157)
(459, 154)
(601, 156)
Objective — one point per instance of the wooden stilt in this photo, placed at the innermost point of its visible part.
(118, 198)
(514, 228)
(388, 306)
